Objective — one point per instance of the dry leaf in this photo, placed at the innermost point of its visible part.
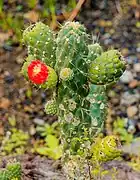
(32, 16)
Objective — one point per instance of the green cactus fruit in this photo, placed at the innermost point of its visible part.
(52, 79)
(50, 107)
(14, 171)
(24, 69)
(107, 68)
(40, 42)
(106, 149)
(94, 50)
(98, 105)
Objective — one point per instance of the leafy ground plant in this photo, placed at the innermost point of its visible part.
(119, 129)
(14, 142)
(79, 74)
(50, 145)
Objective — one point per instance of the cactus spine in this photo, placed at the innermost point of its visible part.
(83, 73)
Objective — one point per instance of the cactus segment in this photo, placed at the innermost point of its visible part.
(107, 68)
(51, 108)
(73, 88)
(40, 42)
(106, 149)
(98, 105)
(71, 46)
(12, 171)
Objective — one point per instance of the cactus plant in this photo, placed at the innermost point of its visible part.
(84, 72)
(12, 171)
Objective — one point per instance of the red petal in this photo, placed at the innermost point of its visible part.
(37, 72)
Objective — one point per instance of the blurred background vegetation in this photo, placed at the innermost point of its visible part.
(16, 15)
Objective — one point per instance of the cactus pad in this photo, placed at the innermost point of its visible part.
(40, 42)
(107, 68)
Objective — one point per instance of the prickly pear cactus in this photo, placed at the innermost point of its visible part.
(12, 171)
(79, 73)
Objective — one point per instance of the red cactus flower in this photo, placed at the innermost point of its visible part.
(37, 72)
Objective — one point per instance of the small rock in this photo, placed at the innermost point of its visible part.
(32, 130)
(131, 59)
(128, 99)
(132, 111)
(28, 109)
(9, 79)
(19, 59)
(5, 103)
(38, 121)
(137, 67)
(125, 51)
(126, 77)
(133, 83)
(108, 41)
(7, 47)
(115, 101)
(133, 148)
